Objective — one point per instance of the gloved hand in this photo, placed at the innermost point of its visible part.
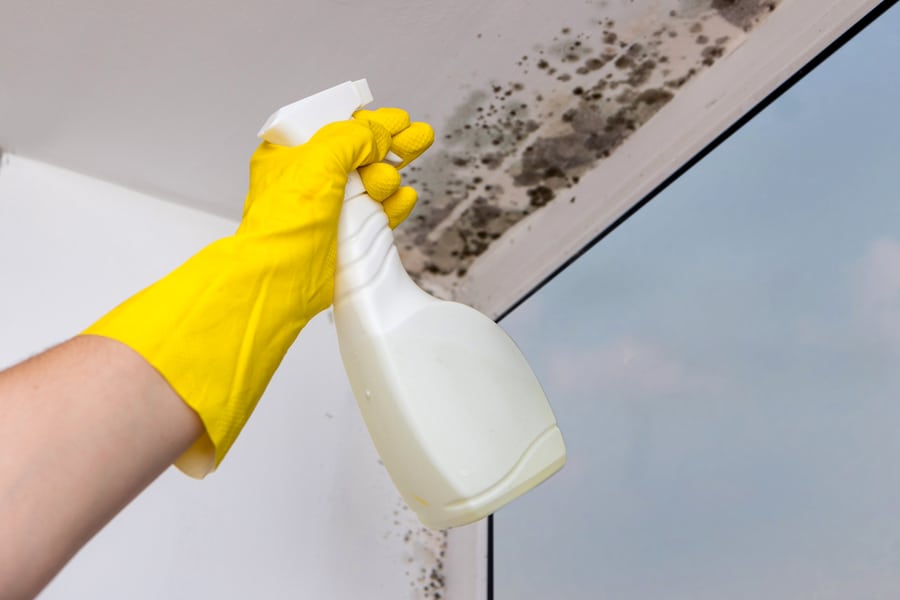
(218, 326)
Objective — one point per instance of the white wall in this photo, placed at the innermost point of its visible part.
(300, 508)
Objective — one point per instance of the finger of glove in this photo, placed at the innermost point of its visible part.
(398, 206)
(381, 180)
(394, 120)
(410, 143)
(382, 142)
(351, 143)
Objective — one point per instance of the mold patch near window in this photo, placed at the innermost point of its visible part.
(515, 146)
(425, 552)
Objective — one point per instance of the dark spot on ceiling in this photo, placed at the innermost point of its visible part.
(744, 14)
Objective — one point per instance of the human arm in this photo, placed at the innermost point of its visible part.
(84, 427)
(222, 319)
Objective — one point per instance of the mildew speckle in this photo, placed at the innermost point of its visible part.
(425, 553)
(744, 14)
(513, 147)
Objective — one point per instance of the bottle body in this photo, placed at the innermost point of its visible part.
(457, 415)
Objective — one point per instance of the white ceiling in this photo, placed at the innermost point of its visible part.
(166, 97)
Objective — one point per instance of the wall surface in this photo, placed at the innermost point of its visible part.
(300, 508)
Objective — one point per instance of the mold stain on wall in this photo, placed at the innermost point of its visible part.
(516, 145)
(425, 552)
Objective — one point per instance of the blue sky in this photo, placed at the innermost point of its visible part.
(724, 367)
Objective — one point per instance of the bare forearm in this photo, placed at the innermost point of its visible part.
(84, 428)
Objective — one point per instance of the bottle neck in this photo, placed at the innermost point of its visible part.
(369, 274)
(364, 243)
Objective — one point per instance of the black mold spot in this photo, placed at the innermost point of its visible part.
(591, 64)
(641, 73)
(624, 62)
(744, 14)
(540, 195)
(655, 96)
(711, 53)
(680, 81)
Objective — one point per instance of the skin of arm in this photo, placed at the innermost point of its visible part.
(84, 427)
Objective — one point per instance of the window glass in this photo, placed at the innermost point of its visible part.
(725, 368)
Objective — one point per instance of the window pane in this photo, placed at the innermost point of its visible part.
(726, 368)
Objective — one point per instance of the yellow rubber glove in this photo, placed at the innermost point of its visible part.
(218, 326)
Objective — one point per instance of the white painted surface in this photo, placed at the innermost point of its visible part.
(300, 508)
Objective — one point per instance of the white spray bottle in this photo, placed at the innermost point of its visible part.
(457, 415)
